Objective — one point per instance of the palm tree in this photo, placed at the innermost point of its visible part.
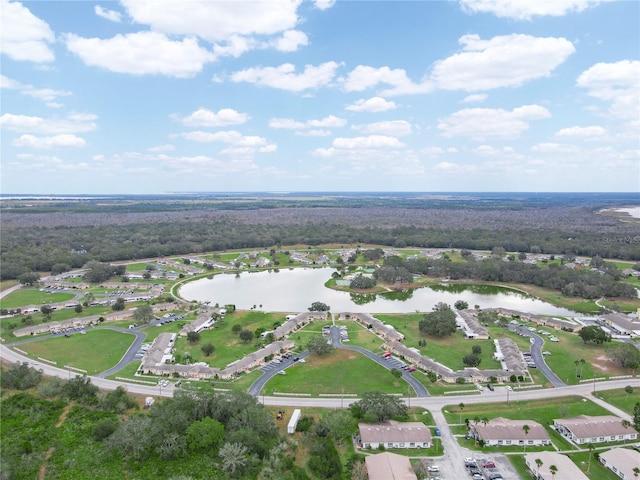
(576, 363)
(582, 363)
(538, 464)
(590, 446)
(476, 420)
(636, 472)
(234, 457)
(526, 429)
(626, 424)
(461, 405)
(553, 469)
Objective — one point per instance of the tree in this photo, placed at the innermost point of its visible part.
(340, 425)
(143, 314)
(636, 472)
(471, 360)
(46, 309)
(319, 307)
(526, 429)
(377, 406)
(20, 377)
(553, 469)
(397, 373)
(628, 389)
(324, 460)
(476, 349)
(193, 337)
(29, 278)
(538, 465)
(439, 323)
(236, 328)
(590, 446)
(117, 401)
(205, 435)
(81, 390)
(636, 416)
(78, 308)
(461, 407)
(624, 354)
(461, 305)
(119, 305)
(234, 458)
(595, 334)
(207, 349)
(246, 336)
(319, 345)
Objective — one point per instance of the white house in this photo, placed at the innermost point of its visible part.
(586, 429)
(389, 466)
(621, 461)
(503, 431)
(395, 435)
(566, 469)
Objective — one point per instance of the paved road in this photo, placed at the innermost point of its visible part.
(9, 290)
(538, 358)
(418, 387)
(270, 370)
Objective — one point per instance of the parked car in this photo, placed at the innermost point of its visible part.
(437, 430)
(495, 476)
(489, 464)
(490, 387)
(433, 468)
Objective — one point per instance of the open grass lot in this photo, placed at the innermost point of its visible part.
(228, 346)
(362, 337)
(440, 388)
(571, 348)
(95, 352)
(619, 398)
(33, 296)
(4, 284)
(332, 373)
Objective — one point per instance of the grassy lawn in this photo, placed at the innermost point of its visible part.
(228, 346)
(95, 352)
(620, 398)
(32, 296)
(339, 371)
(129, 372)
(581, 459)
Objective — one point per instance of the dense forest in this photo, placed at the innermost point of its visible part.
(38, 235)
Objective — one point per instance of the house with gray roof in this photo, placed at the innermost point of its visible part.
(585, 429)
(394, 435)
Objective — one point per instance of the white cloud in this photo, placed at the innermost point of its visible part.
(142, 53)
(313, 133)
(214, 21)
(110, 15)
(234, 46)
(482, 123)
(65, 140)
(47, 95)
(324, 4)
(618, 83)
(586, 133)
(286, 123)
(555, 148)
(206, 118)
(330, 121)
(503, 61)
(285, 78)
(370, 142)
(290, 41)
(231, 137)
(9, 83)
(73, 123)
(475, 98)
(363, 77)
(23, 36)
(373, 104)
(162, 148)
(396, 128)
(527, 9)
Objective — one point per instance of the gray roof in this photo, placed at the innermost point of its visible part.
(389, 466)
(506, 429)
(394, 432)
(585, 426)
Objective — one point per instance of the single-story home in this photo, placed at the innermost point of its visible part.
(389, 466)
(586, 429)
(566, 469)
(503, 431)
(394, 435)
(621, 461)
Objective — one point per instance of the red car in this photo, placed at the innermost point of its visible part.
(489, 465)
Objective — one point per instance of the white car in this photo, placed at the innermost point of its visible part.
(433, 468)
(508, 387)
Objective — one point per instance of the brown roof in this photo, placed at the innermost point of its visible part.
(585, 426)
(389, 466)
(394, 432)
(505, 429)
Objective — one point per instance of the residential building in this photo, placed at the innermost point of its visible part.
(394, 435)
(389, 466)
(587, 429)
(565, 468)
(622, 461)
(506, 432)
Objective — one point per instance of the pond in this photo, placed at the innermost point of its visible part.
(295, 289)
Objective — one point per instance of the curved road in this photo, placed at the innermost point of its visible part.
(538, 358)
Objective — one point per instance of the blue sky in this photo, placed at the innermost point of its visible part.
(142, 96)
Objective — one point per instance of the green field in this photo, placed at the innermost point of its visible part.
(32, 296)
(619, 398)
(95, 352)
(341, 371)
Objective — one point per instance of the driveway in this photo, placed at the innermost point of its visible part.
(536, 354)
(271, 369)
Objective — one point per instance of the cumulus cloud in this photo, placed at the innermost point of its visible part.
(284, 77)
(9, 83)
(363, 77)
(162, 148)
(475, 98)
(324, 4)
(369, 142)
(618, 83)
(309, 128)
(290, 41)
(142, 53)
(233, 138)
(23, 36)
(64, 140)
(396, 128)
(110, 15)
(482, 123)
(503, 61)
(527, 9)
(586, 133)
(373, 105)
(73, 123)
(206, 118)
(47, 95)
